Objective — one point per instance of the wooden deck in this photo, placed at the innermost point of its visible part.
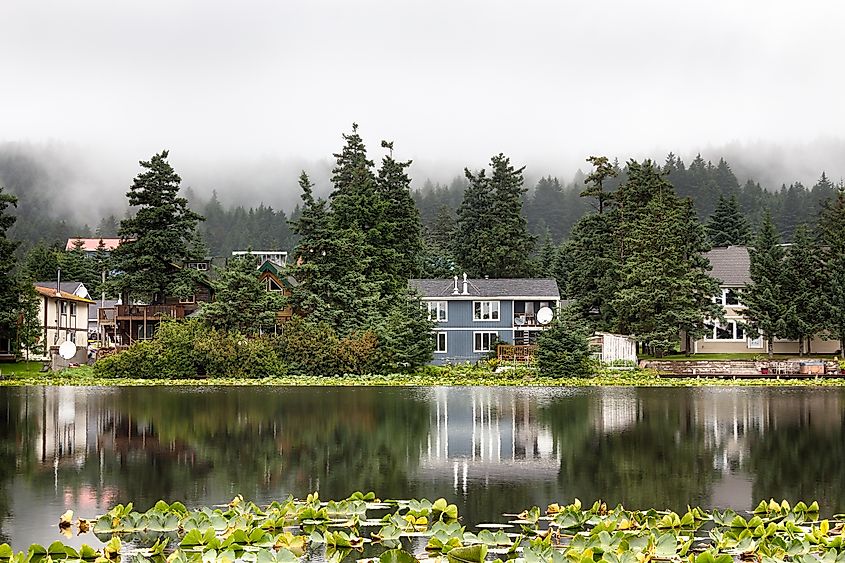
(523, 353)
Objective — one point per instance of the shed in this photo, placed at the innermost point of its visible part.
(614, 348)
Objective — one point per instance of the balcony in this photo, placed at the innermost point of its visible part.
(141, 312)
(525, 319)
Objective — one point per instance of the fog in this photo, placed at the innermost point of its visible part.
(245, 94)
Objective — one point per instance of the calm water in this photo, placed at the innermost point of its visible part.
(490, 450)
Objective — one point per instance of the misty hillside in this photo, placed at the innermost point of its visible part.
(58, 199)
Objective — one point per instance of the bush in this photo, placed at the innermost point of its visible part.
(187, 349)
(564, 350)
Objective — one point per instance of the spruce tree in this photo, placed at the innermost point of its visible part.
(803, 284)
(665, 289)
(157, 239)
(400, 232)
(492, 236)
(9, 288)
(29, 330)
(241, 301)
(473, 236)
(76, 266)
(764, 297)
(596, 180)
(727, 225)
(832, 239)
(41, 262)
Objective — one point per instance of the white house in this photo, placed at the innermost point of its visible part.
(63, 316)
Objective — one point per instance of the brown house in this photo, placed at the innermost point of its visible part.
(270, 273)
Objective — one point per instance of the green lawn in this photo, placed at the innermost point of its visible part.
(21, 368)
(744, 356)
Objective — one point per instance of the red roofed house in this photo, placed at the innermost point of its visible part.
(89, 245)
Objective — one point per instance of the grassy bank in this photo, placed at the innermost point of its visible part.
(429, 376)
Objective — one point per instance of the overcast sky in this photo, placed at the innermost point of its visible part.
(240, 87)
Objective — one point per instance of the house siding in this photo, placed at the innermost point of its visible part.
(461, 328)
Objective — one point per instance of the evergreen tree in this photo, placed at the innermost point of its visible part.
(473, 236)
(492, 235)
(803, 284)
(41, 262)
(596, 180)
(547, 258)
(405, 334)
(241, 301)
(29, 330)
(76, 266)
(9, 288)
(547, 209)
(563, 348)
(727, 226)
(157, 239)
(665, 288)
(400, 233)
(330, 268)
(102, 267)
(764, 297)
(832, 239)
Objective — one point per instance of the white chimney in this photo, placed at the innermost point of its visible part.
(456, 292)
(466, 285)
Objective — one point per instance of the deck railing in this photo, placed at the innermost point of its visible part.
(519, 353)
(149, 312)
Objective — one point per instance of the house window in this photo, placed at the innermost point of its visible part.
(732, 298)
(273, 286)
(199, 266)
(485, 310)
(71, 336)
(188, 299)
(731, 330)
(484, 341)
(438, 310)
(63, 315)
(439, 342)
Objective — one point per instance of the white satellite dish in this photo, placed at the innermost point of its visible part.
(545, 315)
(67, 350)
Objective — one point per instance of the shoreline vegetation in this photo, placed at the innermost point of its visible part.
(428, 376)
(365, 528)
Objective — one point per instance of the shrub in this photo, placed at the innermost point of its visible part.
(564, 350)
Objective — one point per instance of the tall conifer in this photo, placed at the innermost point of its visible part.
(764, 297)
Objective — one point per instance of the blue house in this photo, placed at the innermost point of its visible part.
(472, 315)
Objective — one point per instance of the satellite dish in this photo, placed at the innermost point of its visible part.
(67, 350)
(545, 315)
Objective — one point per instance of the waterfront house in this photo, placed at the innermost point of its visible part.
(63, 316)
(473, 315)
(274, 279)
(732, 267)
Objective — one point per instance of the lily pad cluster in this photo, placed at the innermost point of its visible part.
(365, 529)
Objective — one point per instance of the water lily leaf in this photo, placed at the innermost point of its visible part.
(6, 551)
(471, 554)
(397, 556)
(666, 546)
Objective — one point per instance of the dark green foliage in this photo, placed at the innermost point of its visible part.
(764, 297)
(596, 180)
(803, 281)
(41, 262)
(188, 349)
(29, 331)
(727, 226)
(832, 238)
(9, 289)
(399, 231)
(158, 238)
(665, 289)
(76, 266)
(241, 301)
(313, 348)
(593, 265)
(492, 237)
(405, 335)
(563, 349)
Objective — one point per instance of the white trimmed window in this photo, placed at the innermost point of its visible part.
(729, 298)
(438, 311)
(485, 311)
(731, 330)
(440, 341)
(188, 299)
(484, 341)
(273, 286)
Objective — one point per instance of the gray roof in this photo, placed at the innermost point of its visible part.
(731, 265)
(66, 286)
(516, 287)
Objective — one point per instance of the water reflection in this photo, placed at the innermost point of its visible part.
(490, 449)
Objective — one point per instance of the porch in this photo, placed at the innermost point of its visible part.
(516, 353)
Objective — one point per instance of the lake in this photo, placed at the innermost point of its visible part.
(489, 450)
